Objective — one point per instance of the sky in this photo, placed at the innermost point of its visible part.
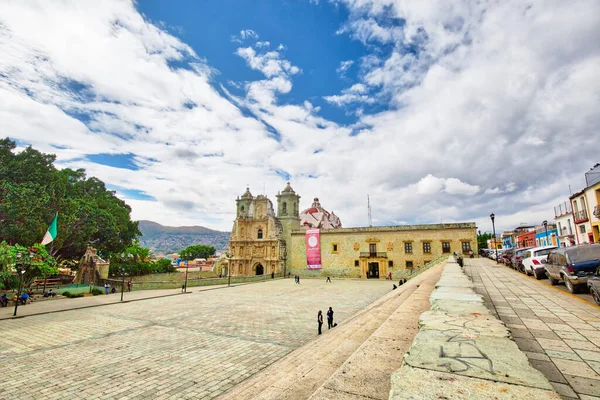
(439, 111)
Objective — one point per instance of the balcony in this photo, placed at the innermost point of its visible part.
(580, 216)
(367, 254)
(597, 212)
(562, 209)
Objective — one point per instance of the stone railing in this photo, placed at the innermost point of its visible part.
(463, 350)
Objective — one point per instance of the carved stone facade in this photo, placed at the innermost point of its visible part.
(256, 237)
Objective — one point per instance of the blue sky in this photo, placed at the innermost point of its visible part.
(435, 109)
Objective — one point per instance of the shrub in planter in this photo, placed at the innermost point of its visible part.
(96, 291)
(66, 294)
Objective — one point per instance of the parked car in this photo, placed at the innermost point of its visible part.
(593, 284)
(507, 256)
(534, 261)
(517, 260)
(573, 265)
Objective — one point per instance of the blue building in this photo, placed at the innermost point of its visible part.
(551, 239)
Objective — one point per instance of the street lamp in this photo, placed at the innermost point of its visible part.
(546, 228)
(21, 272)
(187, 267)
(492, 217)
(229, 270)
(122, 281)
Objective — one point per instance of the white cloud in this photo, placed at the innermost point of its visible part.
(344, 66)
(261, 45)
(485, 112)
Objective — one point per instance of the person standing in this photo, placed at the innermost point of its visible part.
(298, 280)
(390, 276)
(106, 287)
(330, 318)
(320, 320)
(129, 285)
(328, 279)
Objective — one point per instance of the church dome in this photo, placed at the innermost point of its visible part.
(247, 194)
(317, 217)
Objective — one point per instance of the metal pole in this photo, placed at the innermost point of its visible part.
(229, 272)
(492, 216)
(123, 284)
(21, 273)
(187, 266)
(546, 228)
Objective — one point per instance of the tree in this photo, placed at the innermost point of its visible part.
(35, 261)
(32, 190)
(163, 266)
(482, 240)
(197, 251)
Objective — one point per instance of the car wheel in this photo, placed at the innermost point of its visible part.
(528, 272)
(553, 281)
(596, 297)
(572, 288)
(538, 274)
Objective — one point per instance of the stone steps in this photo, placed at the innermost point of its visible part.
(308, 370)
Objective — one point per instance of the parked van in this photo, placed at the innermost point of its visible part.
(573, 265)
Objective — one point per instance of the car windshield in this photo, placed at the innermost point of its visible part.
(544, 252)
(584, 253)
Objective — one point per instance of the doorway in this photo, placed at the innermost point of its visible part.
(373, 270)
(260, 269)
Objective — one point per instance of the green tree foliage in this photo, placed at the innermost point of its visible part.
(197, 251)
(136, 261)
(32, 190)
(482, 240)
(163, 266)
(35, 261)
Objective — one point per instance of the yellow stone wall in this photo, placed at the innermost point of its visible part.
(389, 240)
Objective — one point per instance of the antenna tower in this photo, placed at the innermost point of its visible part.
(369, 209)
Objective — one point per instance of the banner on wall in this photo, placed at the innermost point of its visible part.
(313, 249)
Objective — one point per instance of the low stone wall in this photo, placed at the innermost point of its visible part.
(463, 352)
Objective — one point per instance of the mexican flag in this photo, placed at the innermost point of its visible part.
(51, 232)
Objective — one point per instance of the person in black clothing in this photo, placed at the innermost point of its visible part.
(4, 300)
(395, 287)
(328, 279)
(320, 320)
(329, 318)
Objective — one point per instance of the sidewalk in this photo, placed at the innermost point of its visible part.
(65, 304)
(558, 332)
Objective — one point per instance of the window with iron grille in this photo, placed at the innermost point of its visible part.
(466, 247)
(408, 247)
(409, 264)
(390, 264)
(445, 247)
(426, 247)
(356, 263)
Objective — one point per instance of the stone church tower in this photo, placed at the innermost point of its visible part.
(288, 206)
(255, 243)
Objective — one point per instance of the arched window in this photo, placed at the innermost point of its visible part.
(259, 235)
(284, 208)
(242, 208)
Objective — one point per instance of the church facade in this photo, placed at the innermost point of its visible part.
(264, 241)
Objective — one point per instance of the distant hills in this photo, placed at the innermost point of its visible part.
(172, 239)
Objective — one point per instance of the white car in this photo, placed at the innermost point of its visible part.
(534, 260)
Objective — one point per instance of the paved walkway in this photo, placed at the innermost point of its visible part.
(560, 333)
(193, 346)
(353, 361)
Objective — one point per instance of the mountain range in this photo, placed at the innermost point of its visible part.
(173, 239)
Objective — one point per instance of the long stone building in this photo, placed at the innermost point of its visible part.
(264, 242)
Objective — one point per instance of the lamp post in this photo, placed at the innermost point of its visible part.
(21, 272)
(546, 229)
(492, 217)
(122, 281)
(187, 267)
(229, 270)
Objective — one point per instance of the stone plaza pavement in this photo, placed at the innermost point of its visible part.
(559, 333)
(190, 346)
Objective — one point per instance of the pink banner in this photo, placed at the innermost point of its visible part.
(313, 249)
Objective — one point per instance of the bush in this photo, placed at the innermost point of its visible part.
(96, 292)
(72, 295)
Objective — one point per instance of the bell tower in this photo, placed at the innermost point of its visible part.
(243, 204)
(288, 213)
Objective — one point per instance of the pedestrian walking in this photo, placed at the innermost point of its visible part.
(298, 281)
(129, 285)
(320, 320)
(106, 287)
(330, 318)
(328, 279)
(390, 276)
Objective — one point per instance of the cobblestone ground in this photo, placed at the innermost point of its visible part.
(559, 332)
(193, 346)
